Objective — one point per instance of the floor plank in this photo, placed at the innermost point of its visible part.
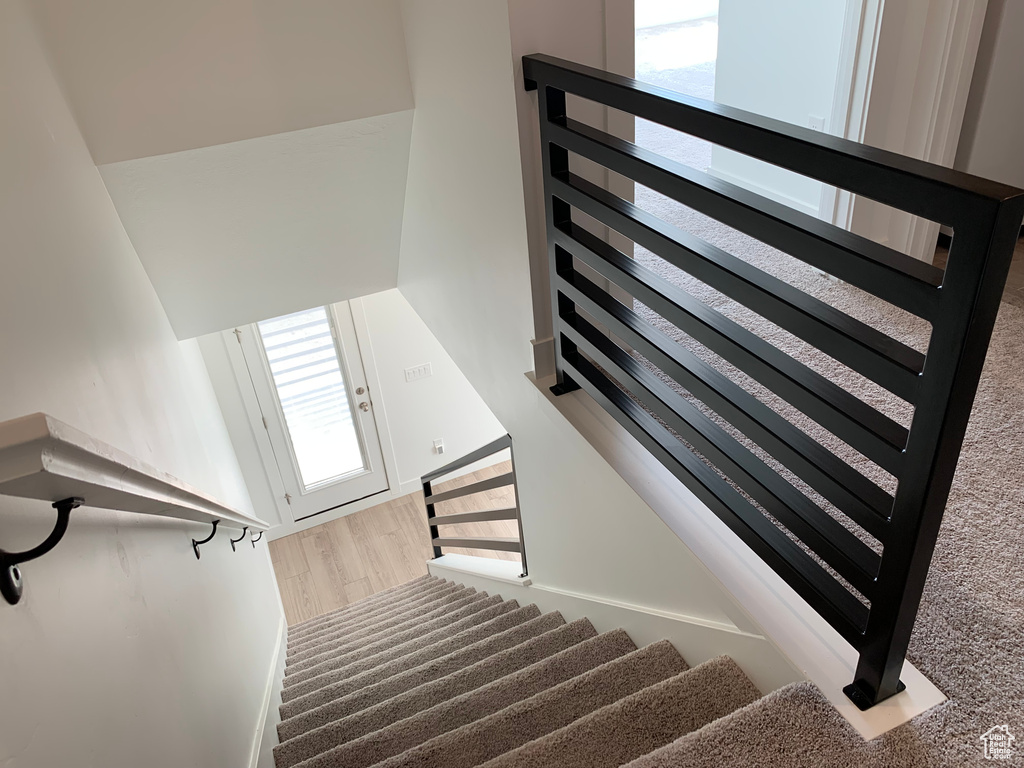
(291, 560)
(345, 560)
(298, 594)
(319, 551)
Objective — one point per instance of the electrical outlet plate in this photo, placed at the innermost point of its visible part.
(418, 372)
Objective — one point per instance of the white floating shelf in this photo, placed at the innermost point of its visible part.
(43, 458)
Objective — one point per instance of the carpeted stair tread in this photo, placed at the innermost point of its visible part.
(402, 615)
(437, 709)
(368, 607)
(794, 726)
(367, 604)
(394, 679)
(369, 618)
(545, 712)
(383, 595)
(416, 618)
(350, 678)
(537, 639)
(408, 637)
(640, 723)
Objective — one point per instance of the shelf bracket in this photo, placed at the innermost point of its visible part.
(195, 544)
(253, 541)
(11, 584)
(235, 541)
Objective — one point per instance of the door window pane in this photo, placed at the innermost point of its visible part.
(311, 390)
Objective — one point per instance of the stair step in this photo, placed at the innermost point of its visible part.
(539, 715)
(415, 618)
(389, 680)
(372, 603)
(796, 724)
(436, 629)
(376, 706)
(358, 674)
(640, 723)
(384, 613)
(517, 681)
(379, 597)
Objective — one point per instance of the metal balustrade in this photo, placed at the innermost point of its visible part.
(431, 499)
(960, 304)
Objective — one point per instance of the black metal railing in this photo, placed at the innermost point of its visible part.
(960, 304)
(432, 499)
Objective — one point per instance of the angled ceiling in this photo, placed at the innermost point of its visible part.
(254, 229)
(256, 150)
(148, 77)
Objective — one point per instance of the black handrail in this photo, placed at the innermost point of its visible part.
(493, 543)
(960, 303)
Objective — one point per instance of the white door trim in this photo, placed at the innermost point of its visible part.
(916, 108)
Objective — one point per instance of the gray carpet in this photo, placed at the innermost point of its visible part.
(967, 639)
(519, 688)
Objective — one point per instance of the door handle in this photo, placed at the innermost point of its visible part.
(364, 406)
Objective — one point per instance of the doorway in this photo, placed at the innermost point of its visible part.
(312, 399)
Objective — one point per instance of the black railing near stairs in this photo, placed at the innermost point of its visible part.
(960, 304)
(431, 499)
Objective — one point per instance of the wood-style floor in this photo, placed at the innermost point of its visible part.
(334, 564)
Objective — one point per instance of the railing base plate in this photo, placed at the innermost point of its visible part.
(862, 700)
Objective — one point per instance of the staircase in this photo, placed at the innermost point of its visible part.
(434, 674)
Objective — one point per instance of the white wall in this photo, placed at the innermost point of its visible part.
(124, 650)
(259, 228)
(992, 140)
(602, 35)
(409, 415)
(151, 78)
(777, 59)
(416, 413)
(464, 268)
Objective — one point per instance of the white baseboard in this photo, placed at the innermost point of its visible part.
(287, 529)
(262, 755)
(697, 639)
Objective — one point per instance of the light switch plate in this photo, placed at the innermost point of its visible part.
(418, 372)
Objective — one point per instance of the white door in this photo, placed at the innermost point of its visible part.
(307, 377)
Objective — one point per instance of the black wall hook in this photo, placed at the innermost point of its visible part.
(253, 541)
(235, 541)
(11, 584)
(195, 544)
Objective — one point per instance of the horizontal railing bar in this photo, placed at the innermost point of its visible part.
(468, 490)
(853, 494)
(815, 585)
(483, 516)
(871, 353)
(824, 535)
(866, 430)
(503, 442)
(900, 279)
(924, 189)
(500, 543)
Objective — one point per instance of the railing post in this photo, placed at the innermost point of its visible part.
(555, 159)
(949, 383)
(519, 516)
(430, 516)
